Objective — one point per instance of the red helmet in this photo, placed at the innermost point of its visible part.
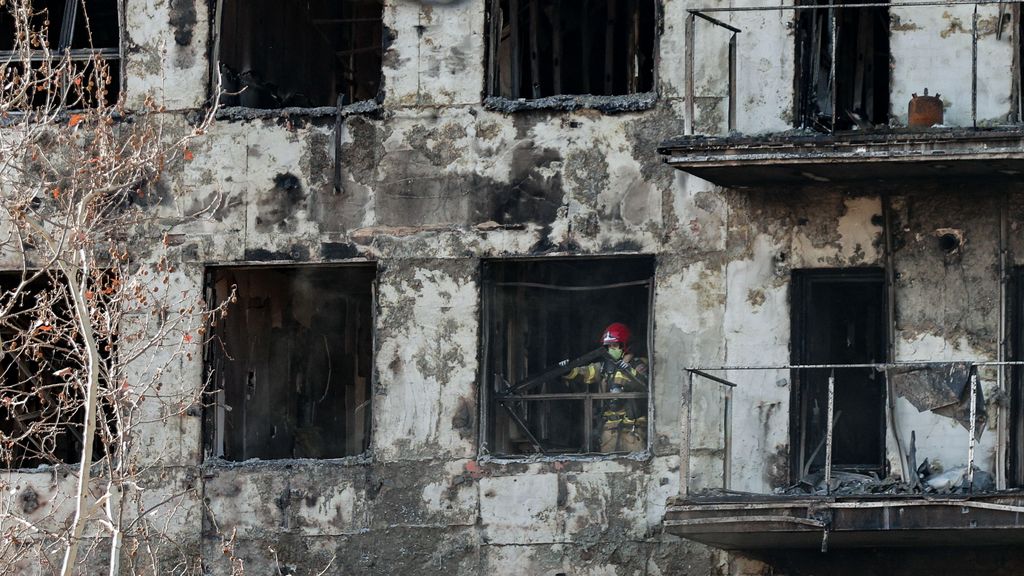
(617, 333)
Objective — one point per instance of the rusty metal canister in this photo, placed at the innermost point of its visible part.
(924, 111)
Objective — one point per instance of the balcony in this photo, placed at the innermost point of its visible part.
(844, 485)
(849, 105)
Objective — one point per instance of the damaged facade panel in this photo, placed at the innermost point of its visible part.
(541, 48)
(310, 54)
(291, 365)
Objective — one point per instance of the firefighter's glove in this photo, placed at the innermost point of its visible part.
(564, 362)
(624, 365)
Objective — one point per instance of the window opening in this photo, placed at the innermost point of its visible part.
(543, 48)
(861, 90)
(88, 31)
(285, 54)
(42, 420)
(291, 363)
(1016, 308)
(567, 345)
(839, 318)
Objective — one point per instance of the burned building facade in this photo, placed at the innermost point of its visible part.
(425, 206)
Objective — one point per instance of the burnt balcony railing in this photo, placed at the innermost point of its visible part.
(757, 477)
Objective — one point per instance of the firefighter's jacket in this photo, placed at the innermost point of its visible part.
(612, 377)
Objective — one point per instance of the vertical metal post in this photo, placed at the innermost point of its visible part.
(828, 430)
(833, 94)
(684, 456)
(732, 83)
(970, 442)
(974, 67)
(1002, 414)
(727, 437)
(691, 25)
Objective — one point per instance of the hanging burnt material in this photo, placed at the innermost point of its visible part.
(924, 111)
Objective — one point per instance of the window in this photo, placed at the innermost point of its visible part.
(861, 91)
(291, 363)
(839, 317)
(42, 409)
(543, 48)
(277, 54)
(554, 383)
(87, 30)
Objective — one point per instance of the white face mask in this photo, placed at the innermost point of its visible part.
(615, 353)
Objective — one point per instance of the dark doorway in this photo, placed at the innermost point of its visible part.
(838, 317)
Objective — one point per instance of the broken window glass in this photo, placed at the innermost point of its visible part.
(567, 354)
(861, 37)
(839, 317)
(543, 48)
(42, 408)
(300, 54)
(291, 363)
(88, 31)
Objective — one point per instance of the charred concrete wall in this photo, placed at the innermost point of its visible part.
(429, 183)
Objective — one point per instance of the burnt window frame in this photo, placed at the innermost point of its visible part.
(803, 101)
(489, 381)
(491, 90)
(214, 429)
(66, 31)
(312, 109)
(800, 279)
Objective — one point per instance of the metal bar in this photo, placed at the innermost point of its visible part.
(515, 70)
(727, 439)
(67, 26)
(574, 396)
(1002, 440)
(534, 50)
(691, 26)
(970, 442)
(712, 378)
(974, 67)
(596, 354)
(588, 426)
(833, 29)
(684, 456)
(782, 8)
(828, 432)
(609, 47)
(556, 48)
(745, 519)
(522, 426)
(822, 503)
(731, 124)
(890, 329)
(574, 288)
(883, 366)
(714, 21)
(494, 29)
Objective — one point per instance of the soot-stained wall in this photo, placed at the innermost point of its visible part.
(431, 181)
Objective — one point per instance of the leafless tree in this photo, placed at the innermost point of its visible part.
(91, 318)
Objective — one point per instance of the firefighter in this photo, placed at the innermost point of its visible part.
(623, 422)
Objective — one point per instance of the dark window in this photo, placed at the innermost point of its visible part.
(277, 54)
(291, 363)
(553, 388)
(839, 318)
(861, 88)
(548, 47)
(42, 409)
(87, 30)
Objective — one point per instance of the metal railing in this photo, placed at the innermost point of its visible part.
(708, 374)
(704, 14)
